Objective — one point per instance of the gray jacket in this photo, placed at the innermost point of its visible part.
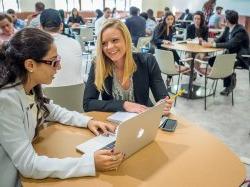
(17, 129)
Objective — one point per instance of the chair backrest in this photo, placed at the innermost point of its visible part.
(70, 97)
(223, 66)
(165, 60)
(86, 33)
(79, 39)
(142, 42)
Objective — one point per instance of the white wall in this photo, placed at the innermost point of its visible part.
(29, 5)
(155, 5)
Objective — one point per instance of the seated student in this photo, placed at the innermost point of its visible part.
(7, 28)
(99, 21)
(69, 50)
(235, 39)
(186, 16)
(198, 29)
(30, 59)
(122, 78)
(18, 23)
(150, 24)
(75, 20)
(215, 21)
(33, 20)
(64, 26)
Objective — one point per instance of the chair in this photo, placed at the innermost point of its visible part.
(70, 97)
(142, 42)
(222, 68)
(248, 56)
(167, 65)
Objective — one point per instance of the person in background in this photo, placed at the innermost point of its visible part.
(115, 14)
(98, 13)
(75, 20)
(7, 28)
(198, 29)
(150, 24)
(208, 9)
(215, 21)
(166, 10)
(122, 78)
(69, 50)
(136, 25)
(150, 13)
(34, 19)
(235, 39)
(186, 16)
(100, 21)
(30, 59)
(18, 23)
(65, 29)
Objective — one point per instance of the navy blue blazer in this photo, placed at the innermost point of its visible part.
(147, 76)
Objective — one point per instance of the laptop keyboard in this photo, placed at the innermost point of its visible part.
(109, 146)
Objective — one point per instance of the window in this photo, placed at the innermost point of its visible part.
(13, 4)
(87, 5)
(110, 4)
(61, 4)
(120, 4)
(73, 4)
(98, 4)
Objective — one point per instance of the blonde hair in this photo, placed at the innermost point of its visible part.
(103, 65)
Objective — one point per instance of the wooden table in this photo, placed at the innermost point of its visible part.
(189, 157)
(192, 91)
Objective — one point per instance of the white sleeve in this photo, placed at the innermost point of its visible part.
(67, 117)
(14, 139)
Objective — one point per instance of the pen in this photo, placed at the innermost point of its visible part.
(179, 93)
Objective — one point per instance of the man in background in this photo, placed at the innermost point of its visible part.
(34, 19)
(215, 21)
(18, 23)
(69, 49)
(99, 22)
(136, 25)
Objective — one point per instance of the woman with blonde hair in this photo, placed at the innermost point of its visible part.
(121, 77)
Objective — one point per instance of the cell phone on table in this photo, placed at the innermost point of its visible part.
(169, 125)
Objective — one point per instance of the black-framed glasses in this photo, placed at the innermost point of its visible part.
(54, 63)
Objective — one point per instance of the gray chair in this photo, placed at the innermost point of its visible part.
(70, 97)
(248, 57)
(167, 65)
(142, 42)
(222, 68)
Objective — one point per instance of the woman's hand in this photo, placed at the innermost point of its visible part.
(207, 44)
(106, 160)
(134, 107)
(97, 126)
(166, 42)
(168, 106)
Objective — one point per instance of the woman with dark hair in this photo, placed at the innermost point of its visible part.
(208, 9)
(198, 29)
(62, 15)
(75, 19)
(30, 59)
(99, 13)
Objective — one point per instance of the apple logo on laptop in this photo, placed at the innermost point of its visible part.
(140, 133)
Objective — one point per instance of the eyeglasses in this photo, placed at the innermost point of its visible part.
(54, 63)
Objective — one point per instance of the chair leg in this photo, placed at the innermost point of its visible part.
(249, 74)
(205, 92)
(178, 82)
(233, 97)
(215, 87)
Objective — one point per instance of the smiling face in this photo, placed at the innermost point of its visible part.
(43, 73)
(113, 44)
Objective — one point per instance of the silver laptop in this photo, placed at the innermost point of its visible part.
(131, 135)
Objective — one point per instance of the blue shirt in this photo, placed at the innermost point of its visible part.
(19, 24)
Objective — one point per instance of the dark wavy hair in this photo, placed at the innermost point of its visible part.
(201, 14)
(28, 43)
(163, 25)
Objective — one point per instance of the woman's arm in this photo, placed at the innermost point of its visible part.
(91, 95)
(16, 140)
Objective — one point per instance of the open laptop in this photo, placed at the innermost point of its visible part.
(131, 135)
